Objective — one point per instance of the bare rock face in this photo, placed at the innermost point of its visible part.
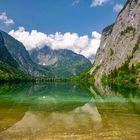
(118, 41)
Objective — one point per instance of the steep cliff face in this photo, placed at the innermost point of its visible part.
(5, 56)
(14, 53)
(120, 42)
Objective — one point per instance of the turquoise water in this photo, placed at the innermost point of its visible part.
(67, 112)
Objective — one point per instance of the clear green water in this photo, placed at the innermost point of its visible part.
(67, 112)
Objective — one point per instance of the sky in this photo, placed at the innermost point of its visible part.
(60, 24)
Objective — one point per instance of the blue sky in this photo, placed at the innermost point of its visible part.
(50, 16)
(61, 24)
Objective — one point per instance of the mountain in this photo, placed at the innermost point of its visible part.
(62, 62)
(118, 57)
(13, 52)
(40, 62)
(8, 65)
(5, 56)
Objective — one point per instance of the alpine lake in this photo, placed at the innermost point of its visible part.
(64, 111)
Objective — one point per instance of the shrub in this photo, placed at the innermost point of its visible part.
(128, 30)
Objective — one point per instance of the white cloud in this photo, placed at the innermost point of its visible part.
(75, 2)
(118, 7)
(5, 19)
(96, 35)
(72, 41)
(98, 2)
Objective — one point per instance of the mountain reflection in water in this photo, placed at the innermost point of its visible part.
(66, 111)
